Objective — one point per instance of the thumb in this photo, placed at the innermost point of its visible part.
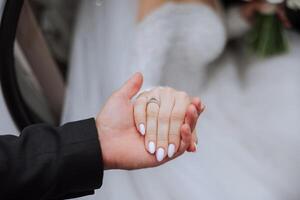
(132, 86)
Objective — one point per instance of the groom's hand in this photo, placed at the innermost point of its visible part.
(122, 146)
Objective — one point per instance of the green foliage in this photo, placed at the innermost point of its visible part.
(267, 37)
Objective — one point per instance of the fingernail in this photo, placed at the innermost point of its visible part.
(196, 146)
(171, 150)
(203, 107)
(151, 147)
(160, 154)
(142, 129)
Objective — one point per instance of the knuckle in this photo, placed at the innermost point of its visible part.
(175, 132)
(177, 116)
(164, 118)
(170, 90)
(166, 90)
(182, 94)
(187, 99)
(175, 127)
(155, 91)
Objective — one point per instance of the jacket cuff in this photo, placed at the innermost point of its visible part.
(82, 164)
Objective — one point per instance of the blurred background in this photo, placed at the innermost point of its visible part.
(240, 57)
(56, 20)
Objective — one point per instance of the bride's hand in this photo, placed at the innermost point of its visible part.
(121, 144)
(159, 115)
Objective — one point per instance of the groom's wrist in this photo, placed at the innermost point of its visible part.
(105, 145)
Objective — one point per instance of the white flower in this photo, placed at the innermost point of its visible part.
(99, 2)
(275, 1)
(272, 1)
(293, 4)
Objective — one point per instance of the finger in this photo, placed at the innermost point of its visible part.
(198, 104)
(140, 108)
(165, 111)
(186, 136)
(283, 17)
(191, 116)
(177, 120)
(151, 127)
(194, 143)
(132, 86)
(191, 119)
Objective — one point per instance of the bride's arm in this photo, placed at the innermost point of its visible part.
(147, 6)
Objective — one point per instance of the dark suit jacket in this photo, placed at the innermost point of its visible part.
(51, 163)
(45, 162)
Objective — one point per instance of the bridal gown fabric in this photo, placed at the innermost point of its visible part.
(248, 136)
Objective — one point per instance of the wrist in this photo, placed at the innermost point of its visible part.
(103, 140)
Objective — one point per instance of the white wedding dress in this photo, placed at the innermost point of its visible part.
(249, 135)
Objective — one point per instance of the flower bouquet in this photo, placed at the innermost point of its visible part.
(267, 36)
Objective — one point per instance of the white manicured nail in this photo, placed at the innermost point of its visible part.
(142, 129)
(160, 154)
(171, 150)
(151, 147)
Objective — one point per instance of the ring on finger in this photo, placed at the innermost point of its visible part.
(154, 100)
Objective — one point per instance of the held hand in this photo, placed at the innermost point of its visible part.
(159, 115)
(122, 145)
(249, 9)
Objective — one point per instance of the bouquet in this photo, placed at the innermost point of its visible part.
(267, 36)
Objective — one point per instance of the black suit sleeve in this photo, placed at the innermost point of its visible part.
(51, 163)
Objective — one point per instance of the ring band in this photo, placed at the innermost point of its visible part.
(154, 100)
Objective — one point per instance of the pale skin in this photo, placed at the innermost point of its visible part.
(161, 122)
(148, 6)
(121, 143)
(249, 9)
